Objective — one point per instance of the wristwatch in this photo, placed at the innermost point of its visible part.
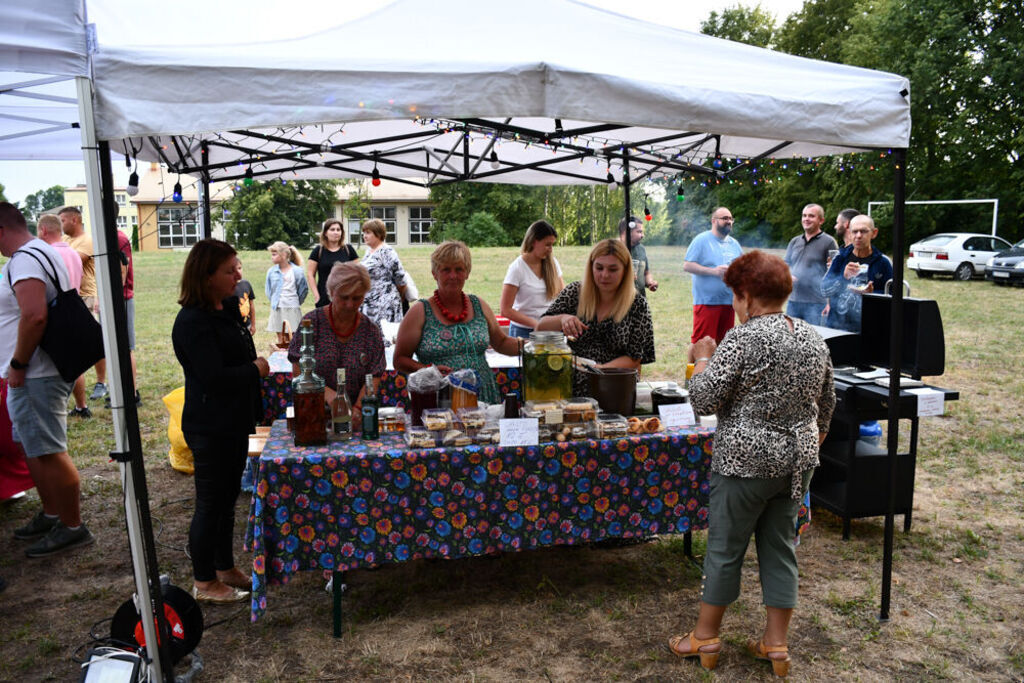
(18, 365)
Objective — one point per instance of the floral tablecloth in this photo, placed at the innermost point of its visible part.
(363, 504)
(277, 390)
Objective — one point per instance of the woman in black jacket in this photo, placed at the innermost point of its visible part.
(222, 395)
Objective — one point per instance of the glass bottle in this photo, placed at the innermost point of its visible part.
(341, 411)
(511, 405)
(308, 395)
(547, 367)
(371, 407)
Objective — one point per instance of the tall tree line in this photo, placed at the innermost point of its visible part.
(962, 58)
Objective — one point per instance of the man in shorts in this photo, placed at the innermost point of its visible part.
(707, 259)
(37, 395)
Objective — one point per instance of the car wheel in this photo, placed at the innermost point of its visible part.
(923, 274)
(964, 272)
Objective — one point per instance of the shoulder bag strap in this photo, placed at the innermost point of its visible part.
(52, 276)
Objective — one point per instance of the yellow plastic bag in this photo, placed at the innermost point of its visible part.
(180, 454)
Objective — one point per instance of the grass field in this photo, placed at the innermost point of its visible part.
(578, 614)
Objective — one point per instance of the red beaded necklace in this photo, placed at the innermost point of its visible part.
(347, 333)
(455, 318)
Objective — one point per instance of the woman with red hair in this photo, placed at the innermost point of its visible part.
(770, 384)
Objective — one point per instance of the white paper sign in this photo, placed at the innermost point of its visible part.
(520, 431)
(929, 402)
(677, 415)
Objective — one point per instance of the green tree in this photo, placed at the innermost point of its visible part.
(481, 230)
(265, 212)
(963, 60)
(38, 202)
(750, 25)
(2, 197)
(513, 206)
(819, 29)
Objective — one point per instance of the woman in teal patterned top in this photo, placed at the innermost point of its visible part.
(451, 329)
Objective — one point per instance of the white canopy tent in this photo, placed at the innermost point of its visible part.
(542, 91)
(368, 88)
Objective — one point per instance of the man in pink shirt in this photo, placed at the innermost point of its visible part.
(49, 230)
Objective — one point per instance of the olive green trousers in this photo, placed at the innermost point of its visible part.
(763, 507)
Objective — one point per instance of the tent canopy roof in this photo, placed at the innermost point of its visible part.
(558, 90)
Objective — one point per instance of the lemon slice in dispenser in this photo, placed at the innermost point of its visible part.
(555, 363)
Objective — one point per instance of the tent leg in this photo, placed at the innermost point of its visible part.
(895, 360)
(149, 600)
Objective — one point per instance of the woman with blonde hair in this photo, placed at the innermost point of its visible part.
(532, 281)
(387, 277)
(331, 250)
(602, 316)
(342, 336)
(451, 329)
(286, 289)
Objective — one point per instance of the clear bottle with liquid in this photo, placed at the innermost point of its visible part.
(341, 411)
(370, 411)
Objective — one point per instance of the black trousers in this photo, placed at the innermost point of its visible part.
(219, 461)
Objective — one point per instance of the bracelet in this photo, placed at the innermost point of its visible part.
(701, 360)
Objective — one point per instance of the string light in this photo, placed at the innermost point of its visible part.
(247, 180)
(495, 163)
(176, 196)
(375, 176)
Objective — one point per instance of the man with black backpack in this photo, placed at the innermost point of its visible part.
(37, 394)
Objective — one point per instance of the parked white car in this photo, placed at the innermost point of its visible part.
(960, 254)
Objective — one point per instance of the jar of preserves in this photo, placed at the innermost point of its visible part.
(547, 367)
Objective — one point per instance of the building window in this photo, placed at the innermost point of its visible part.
(421, 219)
(385, 213)
(120, 198)
(177, 228)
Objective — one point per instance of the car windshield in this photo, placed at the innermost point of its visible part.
(1019, 245)
(937, 240)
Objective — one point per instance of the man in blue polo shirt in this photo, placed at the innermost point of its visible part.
(858, 269)
(707, 259)
(807, 258)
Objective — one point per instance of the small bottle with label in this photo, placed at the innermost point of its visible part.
(371, 408)
(341, 411)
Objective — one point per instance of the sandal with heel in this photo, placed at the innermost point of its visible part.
(780, 666)
(708, 660)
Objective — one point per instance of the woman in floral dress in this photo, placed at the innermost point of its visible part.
(387, 277)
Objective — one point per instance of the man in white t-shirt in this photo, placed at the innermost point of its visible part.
(37, 395)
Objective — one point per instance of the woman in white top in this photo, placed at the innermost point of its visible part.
(533, 280)
(286, 289)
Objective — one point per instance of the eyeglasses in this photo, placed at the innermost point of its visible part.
(726, 219)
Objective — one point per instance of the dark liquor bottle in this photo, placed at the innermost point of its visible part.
(371, 407)
(308, 395)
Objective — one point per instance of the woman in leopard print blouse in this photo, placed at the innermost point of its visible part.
(770, 383)
(603, 317)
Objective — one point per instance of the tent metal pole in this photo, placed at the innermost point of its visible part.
(895, 361)
(626, 183)
(98, 174)
(204, 195)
